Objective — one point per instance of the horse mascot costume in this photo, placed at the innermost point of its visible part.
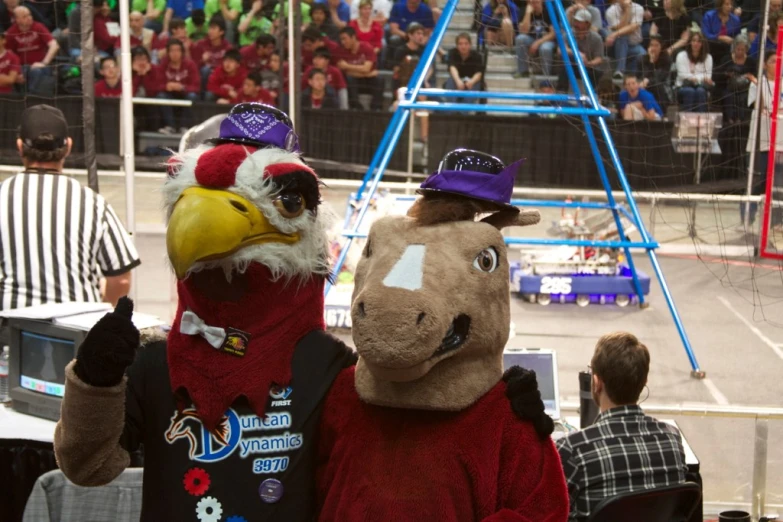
(420, 429)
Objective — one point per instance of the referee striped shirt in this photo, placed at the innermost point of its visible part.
(56, 239)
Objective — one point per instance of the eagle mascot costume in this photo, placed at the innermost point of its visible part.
(228, 408)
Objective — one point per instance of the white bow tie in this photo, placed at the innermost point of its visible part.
(191, 324)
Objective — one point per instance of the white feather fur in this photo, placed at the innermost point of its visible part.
(302, 260)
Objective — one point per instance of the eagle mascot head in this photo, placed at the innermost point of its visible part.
(249, 248)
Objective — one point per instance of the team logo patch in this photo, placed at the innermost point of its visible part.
(236, 342)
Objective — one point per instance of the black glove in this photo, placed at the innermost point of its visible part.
(522, 392)
(109, 348)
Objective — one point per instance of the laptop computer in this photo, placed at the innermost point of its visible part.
(544, 363)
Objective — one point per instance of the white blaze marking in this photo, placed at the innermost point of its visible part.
(408, 271)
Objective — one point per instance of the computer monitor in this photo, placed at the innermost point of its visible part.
(39, 353)
(544, 363)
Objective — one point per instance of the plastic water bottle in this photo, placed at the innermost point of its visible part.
(4, 375)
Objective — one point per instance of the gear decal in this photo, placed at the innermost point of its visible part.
(209, 509)
(196, 481)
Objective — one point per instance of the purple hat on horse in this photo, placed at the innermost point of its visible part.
(476, 175)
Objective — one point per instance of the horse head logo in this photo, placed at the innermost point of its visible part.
(182, 424)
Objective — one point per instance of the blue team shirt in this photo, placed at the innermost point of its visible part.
(343, 10)
(401, 16)
(647, 99)
(183, 8)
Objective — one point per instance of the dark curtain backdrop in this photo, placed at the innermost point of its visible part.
(556, 150)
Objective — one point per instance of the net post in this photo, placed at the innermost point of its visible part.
(88, 93)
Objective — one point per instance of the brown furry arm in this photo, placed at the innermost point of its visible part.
(87, 437)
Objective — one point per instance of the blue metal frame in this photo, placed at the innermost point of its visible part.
(585, 106)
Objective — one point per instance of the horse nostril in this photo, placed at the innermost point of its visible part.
(420, 318)
(361, 309)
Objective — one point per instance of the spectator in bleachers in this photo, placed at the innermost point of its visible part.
(765, 84)
(104, 42)
(653, 10)
(10, 70)
(624, 450)
(304, 9)
(33, 44)
(319, 95)
(657, 71)
(257, 56)
(596, 22)
(500, 19)
(153, 11)
(253, 24)
(625, 18)
(180, 80)
(403, 14)
(735, 75)
(696, 9)
(381, 9)
(229, 10)
(358, 62)
(694, 75)
(334, 77)
(323, 23)
(312, 40)
(339, 12)
(140, 35)
(208, 53)
(536, 38)
(367, 29)
(771, 40)
(754, 26)
(270, 76)
(7, 8)
(637, 103)
(673, 27)
(252, 91)
(225, 82)
(590, 47)
(195, 25)
(110, 86)
(720, 26)
(410, 54)
(465, 67)
(146, 75)
(178, 32)
(179, 9)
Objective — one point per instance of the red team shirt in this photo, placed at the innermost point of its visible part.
(374, 36)
(30, 46)
(250, 58)
(264, 96)
(104, 90)
(334, 77)
(307, 57)
(9, 62)
(187, 74)
(219, 79)
(364, 53)
(216, 52)
(150, 81)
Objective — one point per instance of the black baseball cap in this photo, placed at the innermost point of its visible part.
(43, 119)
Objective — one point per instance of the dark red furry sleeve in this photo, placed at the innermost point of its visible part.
(532, 485)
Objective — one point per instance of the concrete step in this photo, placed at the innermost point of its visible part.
(462, 21)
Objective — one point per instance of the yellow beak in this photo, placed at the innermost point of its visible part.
(209, 224)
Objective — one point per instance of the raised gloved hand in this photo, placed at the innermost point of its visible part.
(522, 392)
(109, 348)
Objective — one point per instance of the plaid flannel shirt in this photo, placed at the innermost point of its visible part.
(623, 451)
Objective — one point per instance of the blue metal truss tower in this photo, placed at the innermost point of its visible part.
(584, 105)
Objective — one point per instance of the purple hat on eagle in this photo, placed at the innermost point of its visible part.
(475, 175)
(259, 125)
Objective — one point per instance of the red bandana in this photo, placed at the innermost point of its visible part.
(276, 316)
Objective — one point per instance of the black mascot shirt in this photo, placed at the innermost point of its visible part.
(251, 468)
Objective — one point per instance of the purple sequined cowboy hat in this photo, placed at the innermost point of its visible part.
(476, 175)
(258, 125)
